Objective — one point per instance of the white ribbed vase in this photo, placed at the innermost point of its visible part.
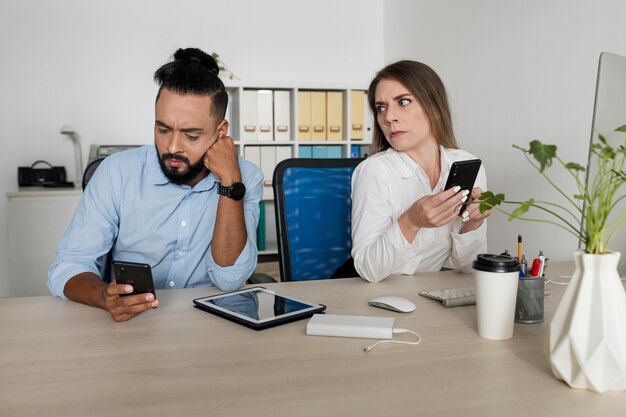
(586, 341)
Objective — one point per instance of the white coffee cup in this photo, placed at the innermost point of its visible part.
(496, 278)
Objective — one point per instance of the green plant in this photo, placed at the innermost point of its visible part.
(222, 66)
(594, 201)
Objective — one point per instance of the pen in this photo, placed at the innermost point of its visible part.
(543, 263)
(519, 248)
(536, 268)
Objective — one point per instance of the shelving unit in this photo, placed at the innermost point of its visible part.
(266, 135)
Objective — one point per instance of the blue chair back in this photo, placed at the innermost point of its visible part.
(313, 216)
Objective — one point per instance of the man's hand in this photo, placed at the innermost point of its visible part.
(221, 160)
(124, 308)
(88, 288)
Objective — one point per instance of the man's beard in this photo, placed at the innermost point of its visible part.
(176, 176)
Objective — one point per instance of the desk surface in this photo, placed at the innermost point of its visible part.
(65, 359)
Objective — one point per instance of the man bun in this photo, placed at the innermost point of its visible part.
(198, 56)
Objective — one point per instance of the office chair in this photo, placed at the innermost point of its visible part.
(105, 270)
(313, 218)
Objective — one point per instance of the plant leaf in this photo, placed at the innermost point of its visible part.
(523, 208)
(621, 129)
(542, 153)
(573, 166)
(488, 201)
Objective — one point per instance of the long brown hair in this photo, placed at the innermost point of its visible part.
(428, 89)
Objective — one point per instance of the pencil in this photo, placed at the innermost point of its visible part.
(519, 248)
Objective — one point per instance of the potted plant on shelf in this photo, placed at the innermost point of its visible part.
(586, 341)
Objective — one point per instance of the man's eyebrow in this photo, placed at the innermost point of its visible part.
(160, 123)
(186, 130)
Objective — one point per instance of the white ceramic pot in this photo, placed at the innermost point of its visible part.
(586, 341)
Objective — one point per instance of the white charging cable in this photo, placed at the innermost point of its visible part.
(396, 331)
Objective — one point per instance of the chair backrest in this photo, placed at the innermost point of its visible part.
(313, 216)
(91, 168)
(105, 261)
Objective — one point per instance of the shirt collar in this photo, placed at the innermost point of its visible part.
(409, 167)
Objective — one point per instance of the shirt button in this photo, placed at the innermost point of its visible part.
(181, 253)
(171, 283)
(183, 223)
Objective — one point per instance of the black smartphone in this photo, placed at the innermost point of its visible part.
(136, 274)
(463, 174)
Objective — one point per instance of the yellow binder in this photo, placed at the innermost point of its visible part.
(334, 115)
(357, 114)
(318, 115)
(304, 115)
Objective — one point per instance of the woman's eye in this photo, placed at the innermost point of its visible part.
(404, 102)
(380, 109)
(163, 131)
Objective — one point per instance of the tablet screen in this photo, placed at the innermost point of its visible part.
(257, 306)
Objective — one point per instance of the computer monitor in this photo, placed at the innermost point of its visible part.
(609, 112)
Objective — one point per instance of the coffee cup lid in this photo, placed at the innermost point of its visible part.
(495, 263)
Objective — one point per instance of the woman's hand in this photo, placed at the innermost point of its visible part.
(472, 218)
(432, 211)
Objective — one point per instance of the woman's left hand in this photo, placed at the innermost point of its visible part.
(472, 219)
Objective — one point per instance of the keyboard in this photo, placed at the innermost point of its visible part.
(456, 297)
(453, 297)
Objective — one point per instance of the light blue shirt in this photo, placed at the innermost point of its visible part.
(131, 206)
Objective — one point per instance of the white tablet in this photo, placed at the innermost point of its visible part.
(258, 307)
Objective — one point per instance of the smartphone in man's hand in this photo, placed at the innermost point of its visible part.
(463, 174)
(138, 275)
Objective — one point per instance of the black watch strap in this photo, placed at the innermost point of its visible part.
(236, 191)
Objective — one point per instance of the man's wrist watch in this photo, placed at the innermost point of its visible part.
(236, 191)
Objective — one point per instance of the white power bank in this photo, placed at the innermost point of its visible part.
(350, 326)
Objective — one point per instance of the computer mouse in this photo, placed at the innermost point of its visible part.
(399, 304)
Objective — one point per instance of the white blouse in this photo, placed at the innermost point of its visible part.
(383, 187)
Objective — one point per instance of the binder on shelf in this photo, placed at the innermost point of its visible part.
(368, 119)
(282, 153)
(304, 115)
(334, 115)
(364, 151)
(249, 115)
(260, 231)
(357, 114)
(252, 154)
(319, 151)
(333, 151)
(318, 115)
(282, 116)
(355, 151)
(268, 162)
(305, 151)
(265, 115)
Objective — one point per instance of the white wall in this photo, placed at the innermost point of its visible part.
(515, 71)
(90, 64)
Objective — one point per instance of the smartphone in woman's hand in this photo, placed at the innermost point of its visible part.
(463, 174)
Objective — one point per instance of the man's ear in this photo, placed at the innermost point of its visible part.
(222, 128)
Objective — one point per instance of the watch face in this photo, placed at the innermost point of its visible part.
(237, 191)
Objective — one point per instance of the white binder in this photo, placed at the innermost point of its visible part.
(265, 115)
(249, 115)
(282, 116)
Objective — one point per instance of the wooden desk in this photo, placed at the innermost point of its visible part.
(60, 358)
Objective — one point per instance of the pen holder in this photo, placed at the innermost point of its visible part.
(529, 305)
